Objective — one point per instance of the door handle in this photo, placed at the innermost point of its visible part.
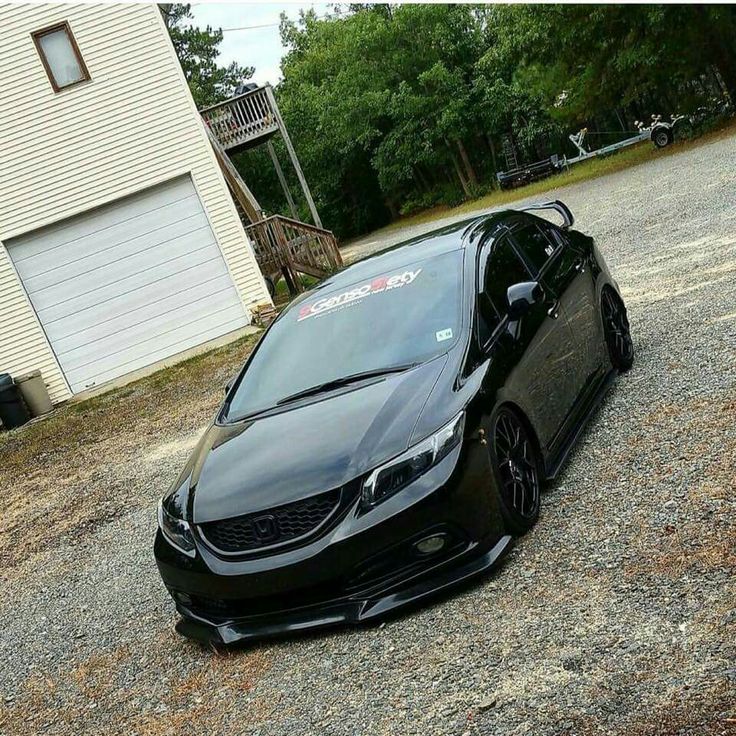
(580, 266)
(554, 309)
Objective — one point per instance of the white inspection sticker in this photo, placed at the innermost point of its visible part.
(443, 335)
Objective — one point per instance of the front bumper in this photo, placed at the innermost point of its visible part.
(335, 613)
(364, 567)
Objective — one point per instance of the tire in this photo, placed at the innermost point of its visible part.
(661, 137)
(517, 471)
(616, 331)
(684, 130)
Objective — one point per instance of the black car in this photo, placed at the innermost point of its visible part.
(390, 432)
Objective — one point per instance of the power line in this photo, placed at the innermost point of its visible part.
(251, 28)
(264, 25)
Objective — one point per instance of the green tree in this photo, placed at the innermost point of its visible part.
(612, 57)
(398, 107)
(197, 50)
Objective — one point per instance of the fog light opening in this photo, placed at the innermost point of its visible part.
(184, 598)
(431, 545)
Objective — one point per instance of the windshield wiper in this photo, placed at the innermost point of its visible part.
(344, 381)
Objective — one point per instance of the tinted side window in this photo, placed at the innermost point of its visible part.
(488, 318)
(503, 269)
(557, 236)
(535, 245)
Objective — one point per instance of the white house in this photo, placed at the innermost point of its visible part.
(120, 245)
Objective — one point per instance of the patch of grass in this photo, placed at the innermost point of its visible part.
(282, 295)
(30, 433)
(61, 474)
(591, 169)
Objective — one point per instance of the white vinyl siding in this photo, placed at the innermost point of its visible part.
(131, 127)
(129, 284)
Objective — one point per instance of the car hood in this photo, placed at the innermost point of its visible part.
(310, 448)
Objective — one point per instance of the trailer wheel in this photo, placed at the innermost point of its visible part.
(684, 130)
(662, 137)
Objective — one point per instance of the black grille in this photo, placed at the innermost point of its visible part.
(272, 526)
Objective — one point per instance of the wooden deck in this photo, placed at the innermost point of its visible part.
(283, 246)
(242, 121)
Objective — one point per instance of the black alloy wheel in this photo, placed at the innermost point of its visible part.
(517, 470)
(617, 332)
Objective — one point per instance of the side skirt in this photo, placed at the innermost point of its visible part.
(586, 411)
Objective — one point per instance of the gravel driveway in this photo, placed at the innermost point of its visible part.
(615, 615)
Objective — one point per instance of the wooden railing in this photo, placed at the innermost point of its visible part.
(287, 247)
(242, 119)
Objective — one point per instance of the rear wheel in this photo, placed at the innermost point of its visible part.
(616, 330)
(517, 469)
(684, 130)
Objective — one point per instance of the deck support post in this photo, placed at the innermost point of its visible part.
(292, 156)
(282, 180)
(293, 281)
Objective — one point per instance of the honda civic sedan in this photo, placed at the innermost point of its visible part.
(391, 431)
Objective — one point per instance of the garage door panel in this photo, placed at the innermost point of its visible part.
(86, 347)
(100, 222)
(128, 284)
(66, 300)
(94, 251)
(195, 270)
(155, 348)
(116, 277)
(125, 310)
(165, 352)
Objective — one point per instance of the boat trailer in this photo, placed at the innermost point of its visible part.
(577, 139)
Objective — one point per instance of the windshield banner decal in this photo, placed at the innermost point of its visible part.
(377, 285)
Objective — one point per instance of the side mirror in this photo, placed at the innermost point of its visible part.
(521, 297)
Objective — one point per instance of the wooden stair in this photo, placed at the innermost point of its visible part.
(283, 246)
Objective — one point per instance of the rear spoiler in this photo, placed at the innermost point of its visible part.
(560, 207)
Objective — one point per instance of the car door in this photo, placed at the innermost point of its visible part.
(536, 348)
(565, 273)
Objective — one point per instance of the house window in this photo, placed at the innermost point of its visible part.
(60, 56)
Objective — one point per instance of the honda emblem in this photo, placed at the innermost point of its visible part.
(265, 528)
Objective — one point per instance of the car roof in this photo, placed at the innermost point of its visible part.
(436, 242)
(455, 236)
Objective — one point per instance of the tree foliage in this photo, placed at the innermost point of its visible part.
(396, 107)
(197, 50)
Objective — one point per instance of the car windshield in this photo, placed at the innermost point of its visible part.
(387, 321)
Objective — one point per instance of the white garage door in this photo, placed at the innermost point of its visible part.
(128, 284)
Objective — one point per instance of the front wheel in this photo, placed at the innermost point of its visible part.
(516, 467)
(617, 331)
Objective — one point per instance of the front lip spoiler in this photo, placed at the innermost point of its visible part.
(333, 614)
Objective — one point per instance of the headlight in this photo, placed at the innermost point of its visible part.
(399, 472)
(177, 531)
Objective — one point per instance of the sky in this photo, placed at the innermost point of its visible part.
(259, 47)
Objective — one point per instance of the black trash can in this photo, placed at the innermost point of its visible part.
(13, 412)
